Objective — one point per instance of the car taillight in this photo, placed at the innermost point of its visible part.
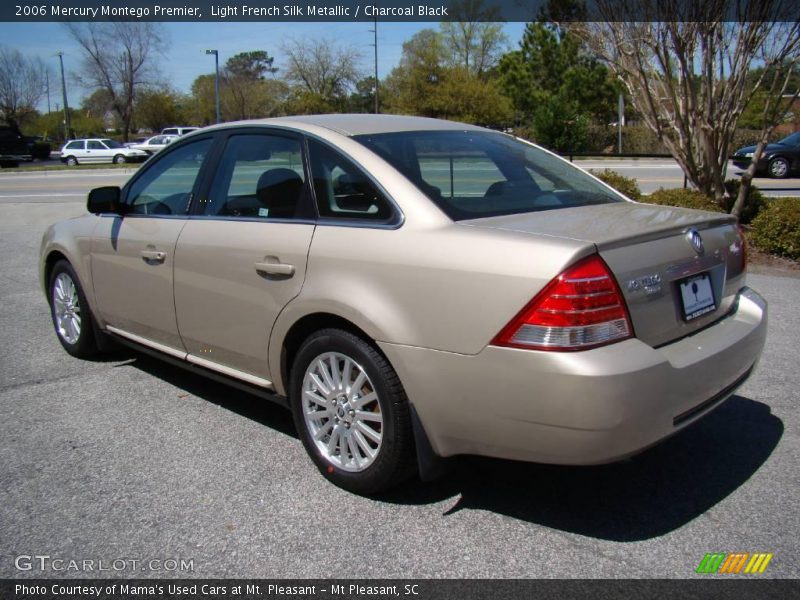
(581, 308)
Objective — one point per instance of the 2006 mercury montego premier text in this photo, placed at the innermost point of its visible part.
(413, 289)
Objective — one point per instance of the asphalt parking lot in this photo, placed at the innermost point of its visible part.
(128, 458)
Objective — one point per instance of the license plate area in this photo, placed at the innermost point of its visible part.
(697, 296)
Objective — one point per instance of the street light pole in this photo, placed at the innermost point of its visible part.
(375, 44)
(216, 79)
(67, 124)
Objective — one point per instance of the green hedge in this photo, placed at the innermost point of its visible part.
(777, 228)
(682, 197)
(753, 205)
(627, 186)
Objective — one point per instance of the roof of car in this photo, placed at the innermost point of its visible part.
(362, 124)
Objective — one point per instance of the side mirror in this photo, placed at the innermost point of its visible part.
(104, 200)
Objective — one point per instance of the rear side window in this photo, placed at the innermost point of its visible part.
(475, 174)
(165, 188)
(75, 145)
(260, 176)
(343, 191)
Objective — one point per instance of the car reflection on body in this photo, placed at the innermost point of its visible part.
(413, 289)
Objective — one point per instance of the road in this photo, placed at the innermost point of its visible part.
(127, 458)
(651, 174)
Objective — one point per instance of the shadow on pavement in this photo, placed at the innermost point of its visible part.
(644, 497)
(258, 409)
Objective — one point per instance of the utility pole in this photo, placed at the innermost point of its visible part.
(47, 83)
(67, 124)
(216, 79)
(374, 30)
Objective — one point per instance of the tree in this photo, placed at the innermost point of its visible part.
(471, 39)
(321, 69)
(159, 108)
(246, 91)
(551, 60)
(22, 85)
(426, 83)
(686, 70)
(119, 57)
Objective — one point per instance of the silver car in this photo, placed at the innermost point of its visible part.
(413, 289)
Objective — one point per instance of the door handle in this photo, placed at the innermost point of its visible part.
(275, 268)
(154, 255)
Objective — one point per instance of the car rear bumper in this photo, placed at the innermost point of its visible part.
(580, 408)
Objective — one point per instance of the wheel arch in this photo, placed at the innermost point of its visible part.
(50, 261)
(300, 330)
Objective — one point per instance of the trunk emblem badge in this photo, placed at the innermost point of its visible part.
(695, 241)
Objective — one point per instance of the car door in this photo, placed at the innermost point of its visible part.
(242, 258)
(97, 152)
(133, 254)
(75, 148)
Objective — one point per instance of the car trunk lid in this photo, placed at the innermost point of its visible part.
(670, 288)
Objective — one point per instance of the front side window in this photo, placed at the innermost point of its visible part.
(474, 174)
(112, 143)
(95, 145)
(343, 191)
(260, 176)
(165, 188)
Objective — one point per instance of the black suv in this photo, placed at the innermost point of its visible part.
(13, 148)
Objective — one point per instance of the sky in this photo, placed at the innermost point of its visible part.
(186, 59)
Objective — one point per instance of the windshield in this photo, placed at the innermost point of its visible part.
(112, 144)
(792, 140)
(474, 174)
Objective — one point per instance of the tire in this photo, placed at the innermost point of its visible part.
(778, 168)
(119, 160)
(72, 161)
(72, 319)
(374, 447)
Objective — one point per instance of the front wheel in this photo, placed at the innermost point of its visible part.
(778, 168)
(72, 318)
(119, 159)
(351, 412)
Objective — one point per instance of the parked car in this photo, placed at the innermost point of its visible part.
(38, 147)
(779, 160)
(134, 141)
(99, 150)
(178, 130)
(13, 149)
(413, 289)
(155, 143)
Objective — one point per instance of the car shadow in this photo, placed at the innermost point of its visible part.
(641, 498)
(258, 409)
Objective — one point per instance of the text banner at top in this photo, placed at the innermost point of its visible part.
(400, 10)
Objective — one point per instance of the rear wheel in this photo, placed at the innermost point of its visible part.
(351, 412)
(119, 159)
(72, 318)
(72, 161)
(778, 167)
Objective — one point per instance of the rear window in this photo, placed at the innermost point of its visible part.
(475, 174)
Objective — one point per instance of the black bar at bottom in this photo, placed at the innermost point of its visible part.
(740, 587)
